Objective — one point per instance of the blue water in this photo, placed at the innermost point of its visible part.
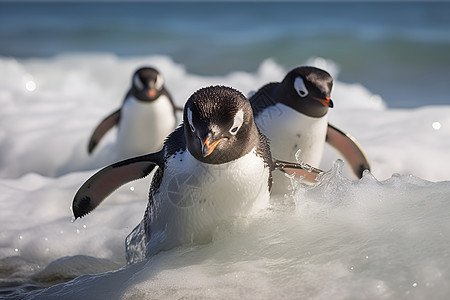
(398, 50)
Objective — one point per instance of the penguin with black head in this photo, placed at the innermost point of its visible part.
(293, 115)
(214, 166)
(144, 120)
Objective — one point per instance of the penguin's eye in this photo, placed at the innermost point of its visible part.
(189, 117)
(137, 82)
(300, 87)
(238, 120)
(159, 82)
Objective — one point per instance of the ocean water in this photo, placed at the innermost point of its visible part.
(65, 66)
(398, 50)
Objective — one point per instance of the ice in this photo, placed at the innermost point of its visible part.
(384, 236)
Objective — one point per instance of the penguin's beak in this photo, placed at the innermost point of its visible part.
(208, 146)
(151, 93)
(325, 102)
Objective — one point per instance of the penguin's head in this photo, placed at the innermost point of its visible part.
(219, 125)
(307, 90)
(147, 84)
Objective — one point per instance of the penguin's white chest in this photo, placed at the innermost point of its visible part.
(289, 131)
(143, 126)
(194, 198)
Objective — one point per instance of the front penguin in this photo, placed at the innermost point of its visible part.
(215, 166)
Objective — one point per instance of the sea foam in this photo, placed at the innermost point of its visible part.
(383, 236)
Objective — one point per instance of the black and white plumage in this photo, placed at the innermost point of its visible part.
(216, 165)
(293, 114)
(146, 117)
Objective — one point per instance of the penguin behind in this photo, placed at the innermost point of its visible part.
(144, 120)
(293, 114)
(215, 166)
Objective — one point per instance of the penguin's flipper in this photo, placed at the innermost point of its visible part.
(349, 148)
(108, 179)
(300, 171)
(105, 125)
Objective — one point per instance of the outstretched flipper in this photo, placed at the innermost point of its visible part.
(108, 179)
(102, 128)
(299, 170)
(349, 148)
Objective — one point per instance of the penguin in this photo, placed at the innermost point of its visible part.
(216, 165)
(146, 117)
(293, 114)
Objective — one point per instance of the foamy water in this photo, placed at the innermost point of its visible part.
(384, 236)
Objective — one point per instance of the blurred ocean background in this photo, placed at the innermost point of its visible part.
(399, 50)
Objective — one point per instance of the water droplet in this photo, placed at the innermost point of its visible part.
(46, 239)
(297, 155)
(414, 284)
(20, 237)
(84, 226)
(17, 250)
(436, 125)
(132, 188)
(30, 85)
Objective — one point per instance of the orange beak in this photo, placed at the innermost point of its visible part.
(151, 93)
(325, 102)
(208, 148)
